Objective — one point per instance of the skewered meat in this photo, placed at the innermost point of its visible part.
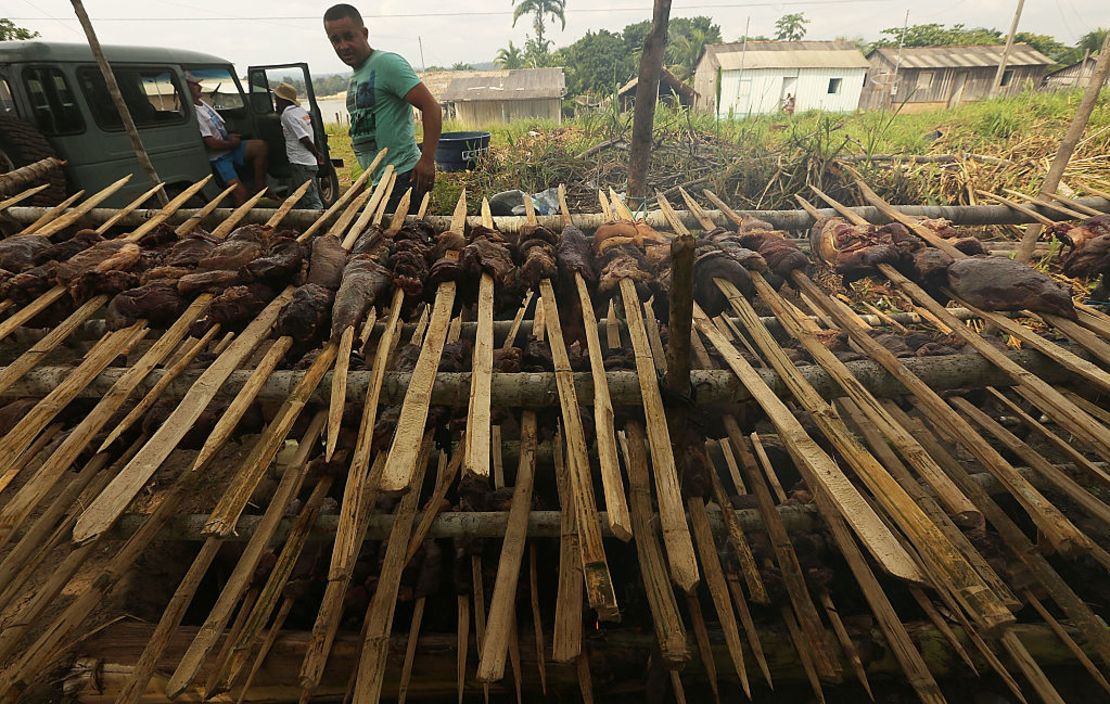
(19, 253)
(446, 267)
(158, 303)
(364, 279)
(931, 268)
(26, 286)
(854, 251)
(782, 255)
(113, 255)
(164, 274)
(537, 254)
(1089, 247)
(714, 262)
(305, 317)
(575, 255)
(207, 282)
(622, 229)
(281, 263)
(998, 283)
(160, 235)
(412, 248)
(189, 251)
(371, 240)
(448, 241)
(64, 250)
(488, 253)
(325, 268)
(1076, 236)
(231, 255)
(233, 308)
(92, 283)
(624, 266)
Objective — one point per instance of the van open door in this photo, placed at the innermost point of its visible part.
(261, 82)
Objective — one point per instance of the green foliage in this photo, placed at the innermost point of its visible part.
(537, 52)
(510, 57)
(461, 66)
(596, 64)
(791, 27)
(1092, 41)
(1049, 46)
(9, 30)
(934, 34)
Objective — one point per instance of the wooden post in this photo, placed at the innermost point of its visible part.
(1006, 50)
(1067, 145)
(647, 93)
(117, 98)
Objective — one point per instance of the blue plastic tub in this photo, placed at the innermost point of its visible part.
(459, 151)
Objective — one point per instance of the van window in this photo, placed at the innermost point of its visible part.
(152, 96)
(53, 105)
(219, 88)
(7, 102)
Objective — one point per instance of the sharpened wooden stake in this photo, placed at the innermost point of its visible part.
(846, 643)
(566, 644)
(477, 457)
(701, 638)
(128, 209)
(57, 225)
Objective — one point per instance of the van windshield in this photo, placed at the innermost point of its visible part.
(219, 87)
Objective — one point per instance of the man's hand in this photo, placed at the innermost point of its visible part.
(424, 174)
(233, 140)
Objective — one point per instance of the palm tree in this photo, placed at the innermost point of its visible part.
(540, 8)
(685, 52)
(791, 27)
(510, 57)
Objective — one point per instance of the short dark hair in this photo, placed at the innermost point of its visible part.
(341, 11)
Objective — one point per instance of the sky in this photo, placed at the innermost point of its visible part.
(252, 32)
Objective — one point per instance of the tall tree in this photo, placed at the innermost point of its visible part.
(510, 57)
(934, 34)
(540, 9)
(9, 30)
(1092, 41)
(791, 27)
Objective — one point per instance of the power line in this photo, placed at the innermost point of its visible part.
(480, 13)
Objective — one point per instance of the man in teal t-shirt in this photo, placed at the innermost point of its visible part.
(380, 97)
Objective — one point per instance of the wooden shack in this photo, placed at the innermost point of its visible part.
(922, 78)
(504, 96)
(1077, 75)
(672, 89)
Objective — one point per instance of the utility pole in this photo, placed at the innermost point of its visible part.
(117, 99)
(1067, 144)
(423, 66)
(647, 93)
(898, 63)
(1006, 50)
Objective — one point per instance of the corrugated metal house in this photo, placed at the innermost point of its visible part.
(921, 78)
(1078, 75)
(504, 96)
(756, 77)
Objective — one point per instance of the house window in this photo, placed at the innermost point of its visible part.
(151, 95)
(925, 80)
(7, 102)
(53, 105)
(1007, 76)
(834, 85)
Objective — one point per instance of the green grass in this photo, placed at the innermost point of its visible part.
(762, 161)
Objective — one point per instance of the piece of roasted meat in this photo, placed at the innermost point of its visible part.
(855, 251)
(305, 317)
(536, 252)
(999, 283)
(364, 279)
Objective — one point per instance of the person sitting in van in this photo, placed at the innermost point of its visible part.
(227, 150)
(305, 159)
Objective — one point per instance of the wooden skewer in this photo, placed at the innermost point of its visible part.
(171, 373)
(567, 641)
(198, 217)
(616, 505)
(401, 461)
(1067, 640)
(599, 583)
(342, 200)
(1040, 200)
(80, 211)
(477, 450)
(50, 214)
(1093, 190)
(1029, 667)
(20, 197)
(491, 663)
(1029, 212)
(338, 398)
(701, 639)
(537, 620)
(846, 642)
(373, 210)
(128, 209)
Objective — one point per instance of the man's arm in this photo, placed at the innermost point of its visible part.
(311, 147)
(217, 144)
(424, 172)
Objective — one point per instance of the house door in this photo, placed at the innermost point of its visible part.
(789, 87)
(957, 95)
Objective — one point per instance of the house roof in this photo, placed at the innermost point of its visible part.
(1091, 59)
(980, 56)
(671, 80)
(771, 54)
(516, 84)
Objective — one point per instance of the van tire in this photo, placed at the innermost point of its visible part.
(21, 144)
(329, 187)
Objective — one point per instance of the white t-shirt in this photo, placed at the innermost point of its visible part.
(297, 123)
(212, 125)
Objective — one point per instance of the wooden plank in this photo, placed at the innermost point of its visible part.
(599, 584)
(491, 662)
(670, 633)
(477, 458)
(107, 507)
(672, 517)
(567, 638)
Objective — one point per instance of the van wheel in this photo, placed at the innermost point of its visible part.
(21, 144)
(329, 187)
